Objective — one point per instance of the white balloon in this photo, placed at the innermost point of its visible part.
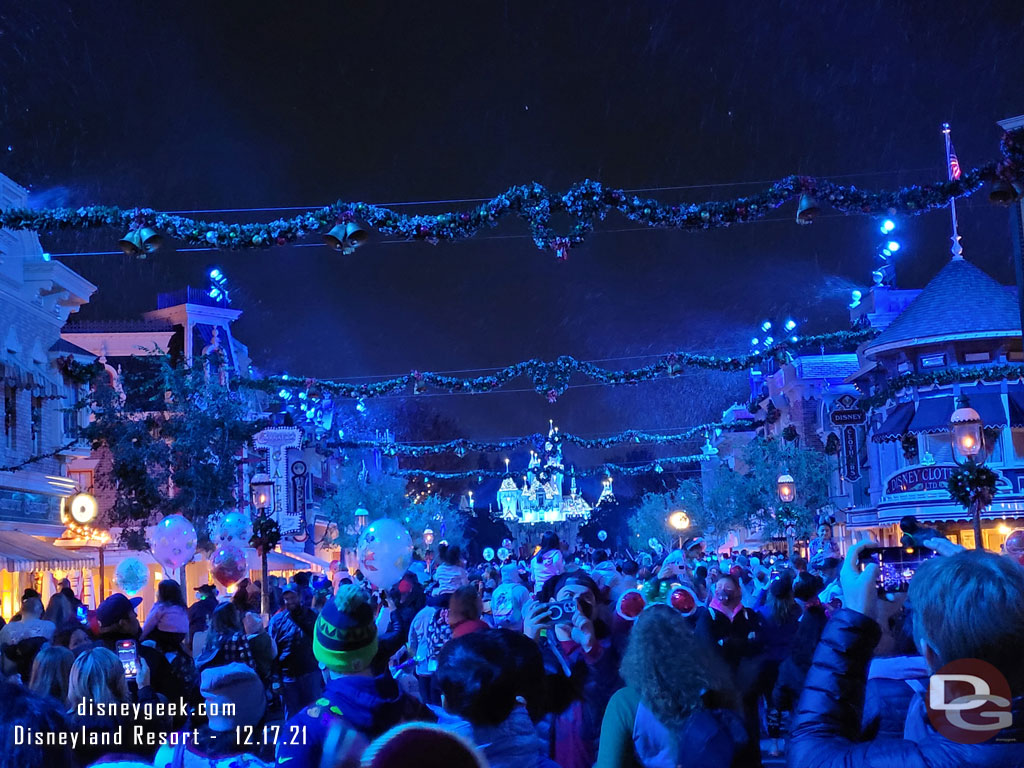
(602, 535)
(174, 542)
(385, 552)
(488, 554)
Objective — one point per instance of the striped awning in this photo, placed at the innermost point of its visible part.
(895, 426)
(20, 552)
(933, 413)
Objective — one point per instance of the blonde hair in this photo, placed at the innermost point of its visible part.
(50, 672)
(97, 676)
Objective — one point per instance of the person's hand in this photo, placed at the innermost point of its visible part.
(668, 570)
(144, 677)
(943, 547)
(860, 591)
(536, 618)
(583, 631)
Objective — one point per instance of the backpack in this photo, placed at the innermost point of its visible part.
(707, 738)
(438, 633)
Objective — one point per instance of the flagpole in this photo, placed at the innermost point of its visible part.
(957, 250)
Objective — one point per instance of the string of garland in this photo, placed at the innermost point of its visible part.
(586, 203)
(551, 377)
(972, 483)
(40, 457)
(461, 446)
(656, 466)
(945, 377)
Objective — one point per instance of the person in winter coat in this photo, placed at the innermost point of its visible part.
(736, 633)
(345, 642)
(291, 629)
(677, 707)
(549, 561)
(966, 606)
(478, 682)
(780, 617)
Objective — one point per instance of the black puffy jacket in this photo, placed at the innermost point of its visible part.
(827, 722)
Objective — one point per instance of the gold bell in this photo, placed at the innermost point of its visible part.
(807, 209)
(1001, 193)
(335, 239)
(131, 244)
(150, 238)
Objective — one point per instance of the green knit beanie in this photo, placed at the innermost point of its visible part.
(345, 635)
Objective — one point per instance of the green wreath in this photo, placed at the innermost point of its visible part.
(266, 533)
(972, 482)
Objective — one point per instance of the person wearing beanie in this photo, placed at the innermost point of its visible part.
(508, 599)
(345, 642)
(232, 740)
(292, 630)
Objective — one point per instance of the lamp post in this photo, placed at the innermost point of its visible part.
(428, 539)
(680, 521)
(786, 487)
(969, 452)
(82, 511)
(262, 489)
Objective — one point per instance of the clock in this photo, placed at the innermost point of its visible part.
(83, 508)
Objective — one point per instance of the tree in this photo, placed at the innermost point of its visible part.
(756, 490)
(650, 520)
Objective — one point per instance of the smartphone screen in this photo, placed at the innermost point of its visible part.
(128, 655)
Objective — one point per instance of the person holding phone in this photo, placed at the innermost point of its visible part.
(117, 620)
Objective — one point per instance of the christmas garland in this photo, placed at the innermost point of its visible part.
(945, 377)
(551, 378)
(586, 203)
(972, 482)
(656, 466)
(461, 446)
(266, 533)
(40, 457)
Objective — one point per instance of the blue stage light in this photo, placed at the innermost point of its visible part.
(888, 226)
(893, 246)
(790, 325)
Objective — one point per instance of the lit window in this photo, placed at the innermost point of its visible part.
(933, 361)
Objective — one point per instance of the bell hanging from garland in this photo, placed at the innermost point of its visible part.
(346, 237)
(335, 239)
(808, 209)
(132, 245)
(150, 239)
(1002, 193)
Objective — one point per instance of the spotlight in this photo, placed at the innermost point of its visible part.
(893, 246)
(885, 254)
(361, 405)
(855, 297)
(793, 339)
(283, 394)
(755, 341)
(216, 293)
(790, 325)
(888, 226)
(766, 326)
(768, 341)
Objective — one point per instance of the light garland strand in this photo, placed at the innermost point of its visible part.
(893, 386)
(461, 446)
(551, 377)
(586, 203)
(656, 466)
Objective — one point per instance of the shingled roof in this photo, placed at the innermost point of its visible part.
(961, 302)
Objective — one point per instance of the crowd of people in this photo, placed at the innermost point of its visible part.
(562, 660)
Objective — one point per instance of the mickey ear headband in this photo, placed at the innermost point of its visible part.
(683, 599)
(630, 605)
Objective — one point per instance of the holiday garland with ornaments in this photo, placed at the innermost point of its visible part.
(551, 377)
(656, 466)
(892, 387)
(972, 483)
(461, 446)
(585, 203)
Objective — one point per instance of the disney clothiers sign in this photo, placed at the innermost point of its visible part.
(934, 478)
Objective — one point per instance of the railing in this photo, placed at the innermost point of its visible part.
(187, 295)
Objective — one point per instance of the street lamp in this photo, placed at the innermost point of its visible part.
(82, 510)
(680, 521)
(786, 487)
(362, 518)
(428, 536)
(968, 436)
(261, 487)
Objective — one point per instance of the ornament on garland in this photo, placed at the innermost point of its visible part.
(585, 203)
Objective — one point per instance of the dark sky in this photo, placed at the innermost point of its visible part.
(229, 104)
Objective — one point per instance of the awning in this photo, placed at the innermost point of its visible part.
(1016, 400)
(863, 371)
(895, 427)
(310, 560)
(21, 552)
(933, 413)
(278, 561)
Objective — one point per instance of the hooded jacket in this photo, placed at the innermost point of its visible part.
(827, 722)
(512, 744)
(367, 705)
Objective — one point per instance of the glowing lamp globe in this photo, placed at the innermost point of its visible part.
(786, 486)
(83, 508)
(262, 488)
(966, 426)
(428, 536)
(679, 520)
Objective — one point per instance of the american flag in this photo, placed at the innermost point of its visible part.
(954, 164)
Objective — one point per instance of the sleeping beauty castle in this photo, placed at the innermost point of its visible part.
(542, 498)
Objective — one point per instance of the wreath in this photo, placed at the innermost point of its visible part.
(972, 482)
(910, 448)
(266, 533)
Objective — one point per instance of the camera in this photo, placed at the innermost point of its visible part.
(561, 611)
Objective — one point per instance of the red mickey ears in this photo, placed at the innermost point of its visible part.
(683, 600)
(630, 605)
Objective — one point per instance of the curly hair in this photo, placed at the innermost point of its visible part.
(670, 669)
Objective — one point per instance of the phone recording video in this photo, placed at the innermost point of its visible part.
(128, 655)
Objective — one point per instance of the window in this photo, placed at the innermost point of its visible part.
(83, 479)
(939, 446)
(1018, 443)
(933, 361)
(10, 415)
(37, 425)
(978, 357)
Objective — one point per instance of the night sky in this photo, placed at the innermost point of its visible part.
(197, 106)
